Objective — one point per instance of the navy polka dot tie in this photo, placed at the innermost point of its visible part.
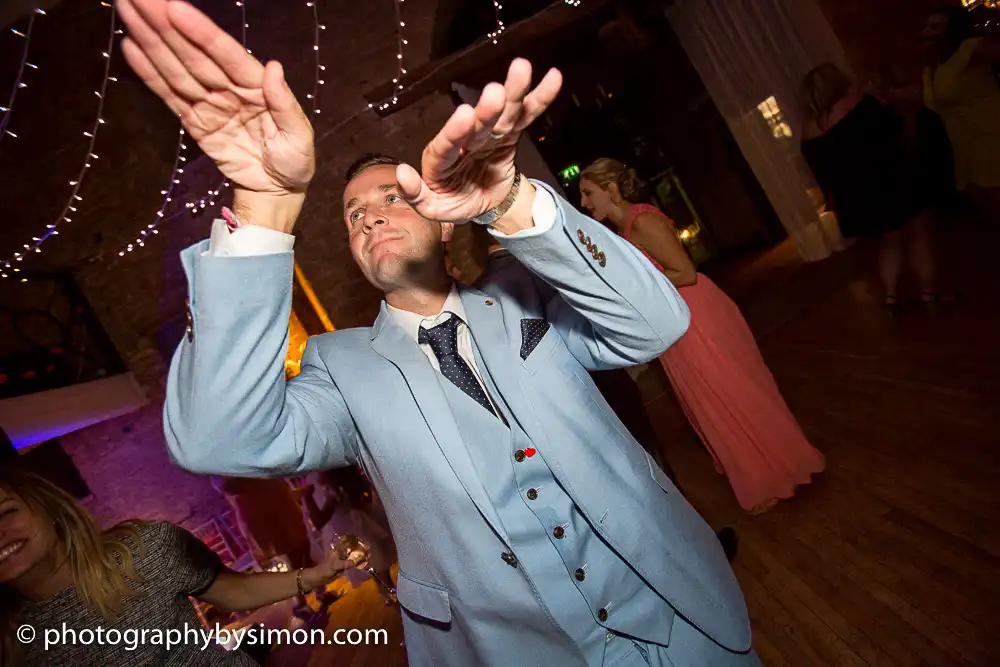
(443, 340)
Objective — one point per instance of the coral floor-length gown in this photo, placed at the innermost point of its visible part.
(731, 398)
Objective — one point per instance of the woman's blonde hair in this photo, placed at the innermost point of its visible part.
(822, 88)
(102, 563)
(605, 171)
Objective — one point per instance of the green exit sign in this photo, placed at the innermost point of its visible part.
(570, 173)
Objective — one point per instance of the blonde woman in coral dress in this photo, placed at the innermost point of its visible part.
(716, 369)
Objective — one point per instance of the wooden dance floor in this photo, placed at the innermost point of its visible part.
(892, 557)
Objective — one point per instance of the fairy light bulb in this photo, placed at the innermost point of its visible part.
(318, 28)
(99, 121)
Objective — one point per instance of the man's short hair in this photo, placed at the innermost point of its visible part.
(481, 240)
(366, 161)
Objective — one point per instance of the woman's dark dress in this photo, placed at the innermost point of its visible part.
(865, 171)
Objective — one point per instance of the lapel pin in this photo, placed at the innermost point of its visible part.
(529, 452)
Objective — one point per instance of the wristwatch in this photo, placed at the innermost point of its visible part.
(497, 212)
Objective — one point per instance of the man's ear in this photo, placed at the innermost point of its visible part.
(447, 230)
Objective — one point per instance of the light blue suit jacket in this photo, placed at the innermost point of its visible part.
(370, 397)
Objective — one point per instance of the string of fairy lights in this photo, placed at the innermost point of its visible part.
(320, 67)
(175, 171)
(495, 35)
(8, 109)
(198, 205)
(65, 216)
(400, 69)
(208, 199)
(201, 204)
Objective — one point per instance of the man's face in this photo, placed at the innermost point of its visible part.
(392, 244)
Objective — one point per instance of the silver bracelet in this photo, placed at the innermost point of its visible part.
(494, 214)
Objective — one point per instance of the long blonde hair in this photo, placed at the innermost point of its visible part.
(822, 88)
(605, 171)
(102, 563)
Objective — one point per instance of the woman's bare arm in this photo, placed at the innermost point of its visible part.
(654, 234)
(235, 591)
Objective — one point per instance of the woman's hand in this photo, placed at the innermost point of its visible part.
(320, 575)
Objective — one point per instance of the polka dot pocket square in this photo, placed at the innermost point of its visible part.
(532, 332)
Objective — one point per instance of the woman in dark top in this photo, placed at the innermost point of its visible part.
(61, 577)
(854, 145)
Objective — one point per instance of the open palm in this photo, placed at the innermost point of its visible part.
(242, 114)
(468, 168)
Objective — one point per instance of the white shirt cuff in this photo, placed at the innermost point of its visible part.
(543, 212)
(247, 241)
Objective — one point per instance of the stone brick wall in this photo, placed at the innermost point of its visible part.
(126, 464)
(140, 297)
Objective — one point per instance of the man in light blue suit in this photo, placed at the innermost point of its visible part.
(532, 529)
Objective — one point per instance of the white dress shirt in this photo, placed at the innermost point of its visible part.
(249, 240)
(412, 322)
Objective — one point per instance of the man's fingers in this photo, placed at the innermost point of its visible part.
(281, 103)
(145, 70)
(445, 148)
(411, 186)
(486, 114)
(414, 190)
(516, 86)
(219, 46)
(540, 99)
(157, 52)
(190, 57)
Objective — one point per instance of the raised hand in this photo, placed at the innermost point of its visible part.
(242, 114)
(468, 168)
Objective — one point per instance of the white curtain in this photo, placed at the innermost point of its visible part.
(752, 56)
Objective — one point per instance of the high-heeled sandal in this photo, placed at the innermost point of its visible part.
(933, 298)
(764, 507)
(893, 305)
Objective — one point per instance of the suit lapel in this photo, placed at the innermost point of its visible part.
(485, 320)
(396, 346)
(502, 361)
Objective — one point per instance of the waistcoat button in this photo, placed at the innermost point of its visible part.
(602, 614)
(558, 531)
(580, 574)
(532, 494)
(519, 455)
